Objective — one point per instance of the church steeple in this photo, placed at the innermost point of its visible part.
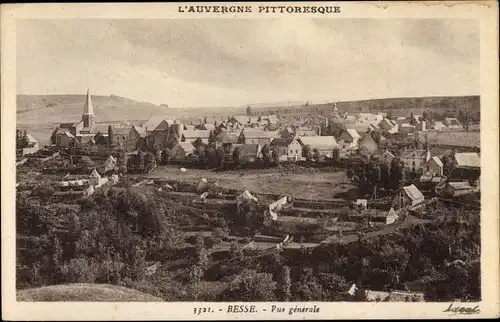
(88, 111)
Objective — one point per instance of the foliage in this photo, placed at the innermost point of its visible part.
(252, 286)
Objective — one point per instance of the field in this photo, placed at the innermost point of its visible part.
(314, 185)
(462, 139)
(85, 292)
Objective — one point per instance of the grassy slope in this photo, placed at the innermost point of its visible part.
(84, 293)
(314, 185)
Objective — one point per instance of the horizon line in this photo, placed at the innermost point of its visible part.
(311, 102)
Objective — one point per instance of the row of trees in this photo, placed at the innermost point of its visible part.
(376, 173)
(21, 139)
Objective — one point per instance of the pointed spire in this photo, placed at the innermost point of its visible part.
(88, 108)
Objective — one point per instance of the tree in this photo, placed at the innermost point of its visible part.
(385, 175)
(249, 110)
(149, 162)
(336, 128)
(316, 156)
(448, 165)
(221, 157)
(276, 157)
(122, 161)
(373, 173)
(412, 119)
(100, 139)
(252, 286)
(283, 284)
(140, 161)
(235, 250)
(110, 135)
(266, 154)
(212, 139)
(21, 140)
(211, 154)
(237, 155)
(397, 173)
(53, 137)
(200, 154)
(201, 252)
(166, 155)
(307, 153)
(376, 136)
(336, 155)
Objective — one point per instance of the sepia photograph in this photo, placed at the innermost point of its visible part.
(209, 160)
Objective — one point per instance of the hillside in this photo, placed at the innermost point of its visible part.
(415, 104)
(84, 293)
(36, 109)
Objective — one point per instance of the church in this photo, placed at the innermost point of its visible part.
(84, 131)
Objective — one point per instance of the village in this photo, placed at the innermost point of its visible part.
(343, 176)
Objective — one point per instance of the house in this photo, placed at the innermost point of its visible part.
(33, 145)
(253, 136)
(182, 151)
(226, 137)
(434, 166)
(389, 126)
(137, 138)
(415, 119)
(64, 138)
(455, 189)
(369, 118)
(207, 126)
(110, 164)
(193, 136)
(247, 152)
(468, 160)
(96, 180)
(323, 144)
(452, 123)
(273, 135)
(157, 123)
(368, 146)
(349, 139)
(287, 149)
(410, 196)
(391, 217)
(439, 126)
(387, 156)
(126, 137)
(305, 132)
(239, 119)
(406, 128)
(405, 296)
(415, 160)
(157, 130)
(360, 127)
(271, 119)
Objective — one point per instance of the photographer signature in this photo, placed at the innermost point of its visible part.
(458, 309)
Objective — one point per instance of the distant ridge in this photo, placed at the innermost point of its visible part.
(471, 102)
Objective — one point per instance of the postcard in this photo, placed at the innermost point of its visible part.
(246, 161)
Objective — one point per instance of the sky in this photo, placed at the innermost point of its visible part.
(234, 62)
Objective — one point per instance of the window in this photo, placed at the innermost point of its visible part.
(291, 151)
(123, 138)
(297, 151)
